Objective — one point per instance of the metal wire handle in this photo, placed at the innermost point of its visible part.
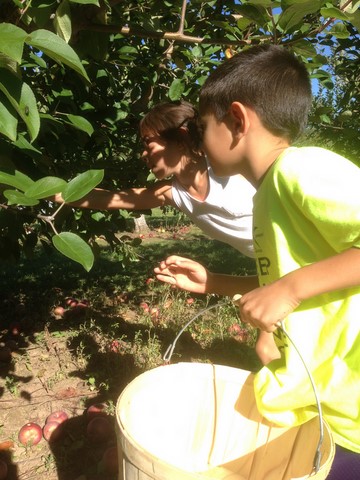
(170, 350)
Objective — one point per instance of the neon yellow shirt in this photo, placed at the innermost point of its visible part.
(306, 209)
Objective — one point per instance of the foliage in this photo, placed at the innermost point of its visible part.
(77, 76)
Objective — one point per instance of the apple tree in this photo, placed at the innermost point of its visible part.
(76, 77)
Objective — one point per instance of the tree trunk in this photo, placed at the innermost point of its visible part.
(140, 224)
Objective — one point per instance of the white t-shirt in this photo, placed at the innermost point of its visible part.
(225, 214)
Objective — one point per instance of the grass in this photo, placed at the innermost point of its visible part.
(90, 354)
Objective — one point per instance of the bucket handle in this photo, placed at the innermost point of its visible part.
(170, 350)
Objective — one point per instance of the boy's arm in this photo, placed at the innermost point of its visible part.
(156, 195)
(266, 306)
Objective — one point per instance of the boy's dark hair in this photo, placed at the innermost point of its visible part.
(267, 78)
(165, 119)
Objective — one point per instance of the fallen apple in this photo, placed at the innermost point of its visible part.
(99, 430)
(96, 410)
(3, 470)
(15, 328)
(190, 301)
(59, 311)
(52, 431)
(30, 434)
(144, 306)
(58, 416)
(239, 333)
(110, 461)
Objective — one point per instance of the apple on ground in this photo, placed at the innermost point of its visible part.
(15, 328)
(154, 313)
(190, 301)
(52, 431)
(59, 311)
(71, 302)
(96, 410)
(30, 434)
(239, 333)
(3, 470)
(144, 306)
(58, 416)
(99, 430)
(110, 461)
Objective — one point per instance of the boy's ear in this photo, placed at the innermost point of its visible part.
(239, 116)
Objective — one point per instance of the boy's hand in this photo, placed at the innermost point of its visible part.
(184, 273)
(265, 307)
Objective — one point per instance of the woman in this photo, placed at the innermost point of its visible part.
(220, 206)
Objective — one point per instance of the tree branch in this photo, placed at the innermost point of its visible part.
(175, 36)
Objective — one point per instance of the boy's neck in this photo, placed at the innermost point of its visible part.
(262, 148)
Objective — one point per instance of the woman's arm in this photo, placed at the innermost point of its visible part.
(156, 195)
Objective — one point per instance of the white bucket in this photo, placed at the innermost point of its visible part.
(193, 421)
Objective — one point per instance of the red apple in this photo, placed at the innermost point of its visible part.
(99, 430)
(238, 332)
(96, 410)
(144, 306)
(15, 328)
(71, 302)
(190, 301)
(154, 313)
(3, 470)
(59, 311)
(115, 346)
(30, 434)
(110, 461)
(52, 431)
(235, 329)
(59, 416)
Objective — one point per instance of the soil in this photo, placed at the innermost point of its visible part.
(67, 363)
(44, 385)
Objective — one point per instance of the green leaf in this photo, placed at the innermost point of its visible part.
(74, 247)
(82, 185)
(18, 198)
(339, 30)
(62, 21)
(294, 14)
(24, 145)
(177, 88)
(333, 12)
(16, 179)
(22, 99)
(8, 119)
(45, 187)
(57, 49)
(12, 41)
(304, 48)
(81, 124)
(86, 2)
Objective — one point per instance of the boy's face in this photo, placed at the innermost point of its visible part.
(218, 145)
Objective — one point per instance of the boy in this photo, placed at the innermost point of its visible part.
(306, 232)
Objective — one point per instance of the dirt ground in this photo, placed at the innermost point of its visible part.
(44, 384)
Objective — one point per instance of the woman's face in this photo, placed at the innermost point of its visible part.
(161, 156)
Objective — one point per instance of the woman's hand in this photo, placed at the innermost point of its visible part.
(183, 273)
